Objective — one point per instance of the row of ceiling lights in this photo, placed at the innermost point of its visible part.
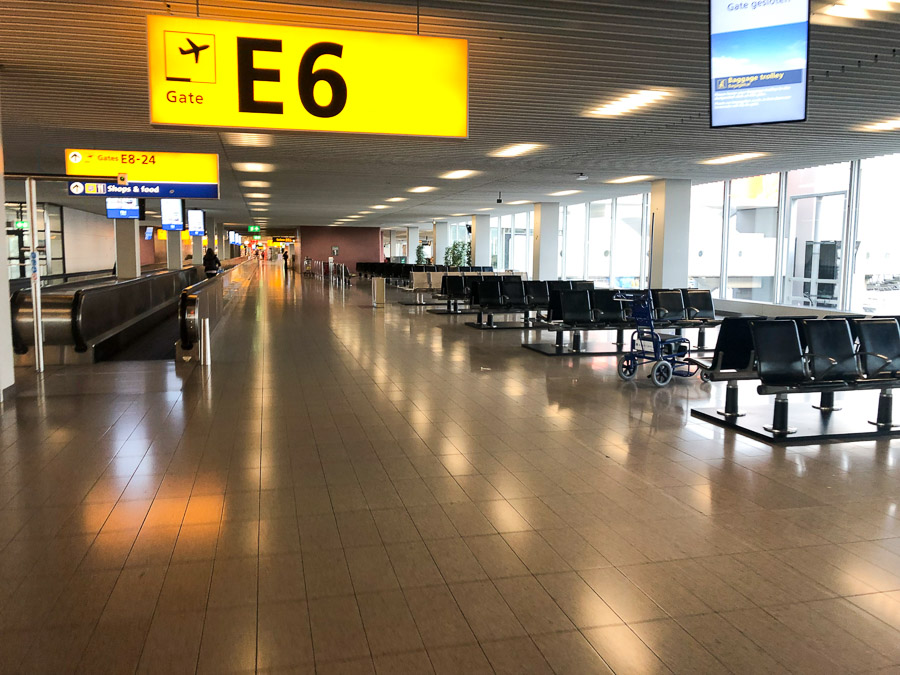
(620, 106)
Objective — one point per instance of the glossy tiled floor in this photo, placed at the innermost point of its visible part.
(354, 491)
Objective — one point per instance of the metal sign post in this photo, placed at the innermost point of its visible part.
(31, 207)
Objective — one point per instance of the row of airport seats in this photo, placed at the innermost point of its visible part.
(402, 271)
(805, 354)
(833, 355)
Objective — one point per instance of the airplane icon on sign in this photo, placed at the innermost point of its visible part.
(194, 49)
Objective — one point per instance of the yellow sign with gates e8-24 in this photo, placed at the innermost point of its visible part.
(143, 166)
(257, 76)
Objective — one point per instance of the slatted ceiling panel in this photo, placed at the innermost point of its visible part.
(75, 74)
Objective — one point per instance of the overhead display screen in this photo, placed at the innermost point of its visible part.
(123, 207)
(171, 214)
(758, 61)
(195, 222)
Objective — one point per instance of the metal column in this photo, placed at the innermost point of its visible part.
(31, 206)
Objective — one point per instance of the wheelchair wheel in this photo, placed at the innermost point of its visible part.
(626, 367)
(704, 376)
(661, 373)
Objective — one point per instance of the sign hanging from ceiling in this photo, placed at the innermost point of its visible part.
(145, 174)
(260, 76)
(759, 50)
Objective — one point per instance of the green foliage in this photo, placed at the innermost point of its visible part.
(468, 262)
(420, 254)
(459, 254)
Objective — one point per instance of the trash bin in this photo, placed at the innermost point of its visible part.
(378, 292)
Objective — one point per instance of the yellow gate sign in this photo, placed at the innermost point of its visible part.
(260, 76)
(144, 166)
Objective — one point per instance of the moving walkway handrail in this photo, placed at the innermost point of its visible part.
(84, 317)
(204, 301)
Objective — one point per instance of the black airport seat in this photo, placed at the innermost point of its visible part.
(669, 305)
(454, 287)
(605, 307)
(419, 268)
(778, 352)
(879, 347)
(511, 277)
(538, 294)
(513, 293)
(698, 303)
(484, 268)
(559, 285)
(441, 268)
(582, 285)
(431, 268)
(575, 309)
(734, 356)
(470, 281)
(831, 357)
(466, 268)
(489, 296)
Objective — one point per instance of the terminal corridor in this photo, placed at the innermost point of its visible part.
(351, 490)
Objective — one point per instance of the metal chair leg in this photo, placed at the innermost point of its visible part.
(731, 401)
(780, 417)
(885, 410)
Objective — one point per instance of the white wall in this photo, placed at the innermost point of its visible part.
(90, 241)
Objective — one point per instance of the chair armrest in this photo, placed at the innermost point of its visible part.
(504, 299)
(887, 361)
(691, 312)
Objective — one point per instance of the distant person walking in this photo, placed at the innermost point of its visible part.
(211, 263)
(287, 259)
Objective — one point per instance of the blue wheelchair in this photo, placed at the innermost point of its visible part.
(669, 354)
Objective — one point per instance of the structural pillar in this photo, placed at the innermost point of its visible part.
(395, 245)
(481, 241)
(197, 249)
(546, 241)
(128, 248)
(670, 225)
(412, 243)
(441, 241)
(173, 251)
(7, 372)
(221, 250)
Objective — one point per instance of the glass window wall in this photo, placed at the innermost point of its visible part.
(705, 239)
(812, 249)
(752, 238)
(599, 242)
(629, 250)
(875, 280)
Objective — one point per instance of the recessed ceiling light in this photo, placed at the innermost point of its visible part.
(887, 125)
(630, 179)
(516, 150)
(257, 195)
(847, 11)
(564, 193)
(259, 208)
(253, 166)
(630, 103)
(364, 213)
(456, 215)
(487, 208)
(256, 183)
(396, 199)
(249, 140)
(258, 203)
(380, 206)
(353, 217)
(459, 173)
(518, 202)
(728, 159)
(422, 188)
